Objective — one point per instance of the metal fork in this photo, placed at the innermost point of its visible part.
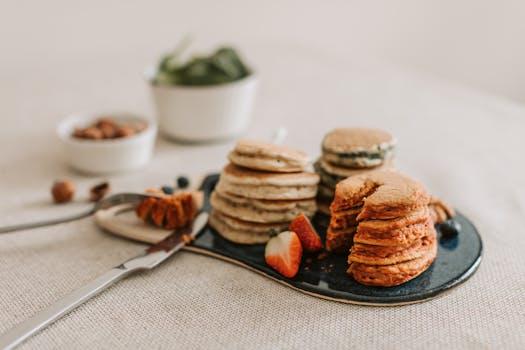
(116, 199)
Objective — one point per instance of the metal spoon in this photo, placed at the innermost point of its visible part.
(116, 199)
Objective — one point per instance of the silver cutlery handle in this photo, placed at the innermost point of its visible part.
(46, 222)
(43, 318)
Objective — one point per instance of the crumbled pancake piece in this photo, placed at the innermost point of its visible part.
(171, 211)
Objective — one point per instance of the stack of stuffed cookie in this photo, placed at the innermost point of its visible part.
(262, 189)
(347, 152)
(384, 217)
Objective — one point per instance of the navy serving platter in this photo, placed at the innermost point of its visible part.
(457, 259)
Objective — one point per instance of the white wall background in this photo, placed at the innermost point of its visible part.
(477, 42)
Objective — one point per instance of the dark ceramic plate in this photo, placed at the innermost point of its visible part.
(457, 259)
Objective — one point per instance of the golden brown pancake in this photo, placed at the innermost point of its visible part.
(388, 255)
(339, 241)
(344, 219)
(402, 236)
(395, 274)
(383, 194)
(417, 216)
(384, 217)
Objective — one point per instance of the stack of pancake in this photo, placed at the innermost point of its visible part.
(347, 152)
(383, 217)
(262, 190)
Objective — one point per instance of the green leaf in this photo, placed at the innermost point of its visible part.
(221, 67)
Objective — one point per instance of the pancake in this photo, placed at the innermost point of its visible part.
(395, 274)
(257, 210)
(263, 185)
(268, 192)
(339, 241)
(329, 180)
(418, 216)
(402, 236)
(343, 172)
(358, 147)
(325, 191)
(388, 255)
(265, 204)
(383, 195)
(342, 220)
(266, 156)
(243, 232)
(243, 176)
(323, 201)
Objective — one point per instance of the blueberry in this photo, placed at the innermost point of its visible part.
(183, 182)
(450, 228)
(168, 189)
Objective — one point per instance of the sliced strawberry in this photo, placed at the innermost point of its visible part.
(307, 235)
(283, 253)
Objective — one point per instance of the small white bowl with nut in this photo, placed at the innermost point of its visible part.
(100, 143)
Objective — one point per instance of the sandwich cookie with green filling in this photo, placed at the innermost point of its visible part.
(358, 147)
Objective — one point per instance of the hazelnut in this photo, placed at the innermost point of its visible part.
(102, 122)
(98, 192)
(63, 191)
(79, 133)
(107, 127)
(93, 133)
(108, 131)
(125, 131)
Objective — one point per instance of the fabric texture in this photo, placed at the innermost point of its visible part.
(464, 146)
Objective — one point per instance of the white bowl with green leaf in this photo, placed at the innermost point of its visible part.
(206, 98)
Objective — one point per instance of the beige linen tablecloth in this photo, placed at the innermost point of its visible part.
(467, 147)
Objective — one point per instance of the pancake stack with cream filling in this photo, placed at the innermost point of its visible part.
(262, 189)
(347, 152)
(384, 219)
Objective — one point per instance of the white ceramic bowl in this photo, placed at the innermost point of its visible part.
(106, 156)
(204, 113)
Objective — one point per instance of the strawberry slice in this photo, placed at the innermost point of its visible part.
(283, 253)
(307, 235)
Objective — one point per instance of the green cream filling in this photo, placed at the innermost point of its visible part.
(376, 154)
